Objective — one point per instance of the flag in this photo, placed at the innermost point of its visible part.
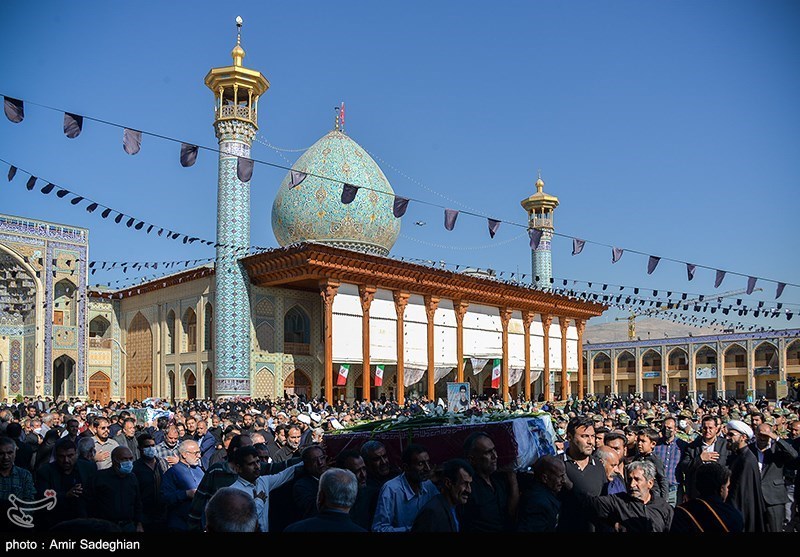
(779, 290)
(493, 226)
(719, 278)
(131, 141)
(450, 216)
(496, 374)
(690, 268)
(652, 263)
(616, 254)
(399, 206)
(536, 237)
(188, 154)
(296, 178)
(244, 169)
(349, 192)
(751, 284)
(379, 375)
(344, 369)
(577, 246)
(15, 111)
(73, 124)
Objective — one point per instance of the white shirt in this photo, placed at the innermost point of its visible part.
(260, 491)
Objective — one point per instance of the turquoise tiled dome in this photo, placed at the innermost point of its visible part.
(314, 212)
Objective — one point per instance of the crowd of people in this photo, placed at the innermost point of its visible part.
(618, 465)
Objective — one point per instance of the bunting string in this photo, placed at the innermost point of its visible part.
(132, 143)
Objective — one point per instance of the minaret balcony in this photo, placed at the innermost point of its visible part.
(541, 223)
(234, 112)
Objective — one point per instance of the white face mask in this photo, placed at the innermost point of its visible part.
(682, 424)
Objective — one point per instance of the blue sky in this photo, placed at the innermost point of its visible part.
(669, 128)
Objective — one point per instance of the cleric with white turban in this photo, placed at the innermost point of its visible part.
(741, 427)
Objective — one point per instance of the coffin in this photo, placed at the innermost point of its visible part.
(519, 440)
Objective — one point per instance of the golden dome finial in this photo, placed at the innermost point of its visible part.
(539, 182)
(238, 52)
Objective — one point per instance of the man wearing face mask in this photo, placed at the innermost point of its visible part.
(149, 475)
(114, 495)
(179, 485)
(669, 450)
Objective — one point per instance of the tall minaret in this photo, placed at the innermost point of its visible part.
(236, 89)
(540, 207)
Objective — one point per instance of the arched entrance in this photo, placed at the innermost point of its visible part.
(63, 378)
(766, 370)
(651, 374)
(678, 372)
(139, 360)
(100, 388)
(21, 293)
(297, 383)
(706, 372)
(190, 381)
(601, 374)
(735, 357)
(626, 373)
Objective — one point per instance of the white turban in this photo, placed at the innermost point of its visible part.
(741, 427)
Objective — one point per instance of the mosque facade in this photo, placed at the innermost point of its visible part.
(328, 313)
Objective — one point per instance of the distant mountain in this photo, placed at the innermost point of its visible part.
(617, 331)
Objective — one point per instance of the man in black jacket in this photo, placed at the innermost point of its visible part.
(337, 493)
(637, 510)
(539, 505)
(773, 453)
(68, 478)
(440, 513)
(708, 447)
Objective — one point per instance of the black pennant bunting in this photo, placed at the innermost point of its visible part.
(349, 192)
(91, 208)
(296, 178)
(131, 141)
(244, 169)
(399, 206)
(751, 284)
(130, 222)
(47, 188)
(118, 218)
(690, 269)
(76, 200)
(493, 226)
(188, 154)
(536, 237)
(73, 124)
(31, 183)
(779, 290)
(105, 213)
(15, 111)
(12, 171)
(652, 263)
(577, 246)
(450, 216)
(616, 254)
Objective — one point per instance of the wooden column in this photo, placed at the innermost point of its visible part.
(563, 322)
(431, 303)
(328, 290)
(460, 308)
(527, 319)
(505, 317)
(400, 303)
(367, 294)
(720, 372)
(547, 320)
(580, 324)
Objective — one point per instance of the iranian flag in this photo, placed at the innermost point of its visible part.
(379, 375)
(496, 374)
(344, 370)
